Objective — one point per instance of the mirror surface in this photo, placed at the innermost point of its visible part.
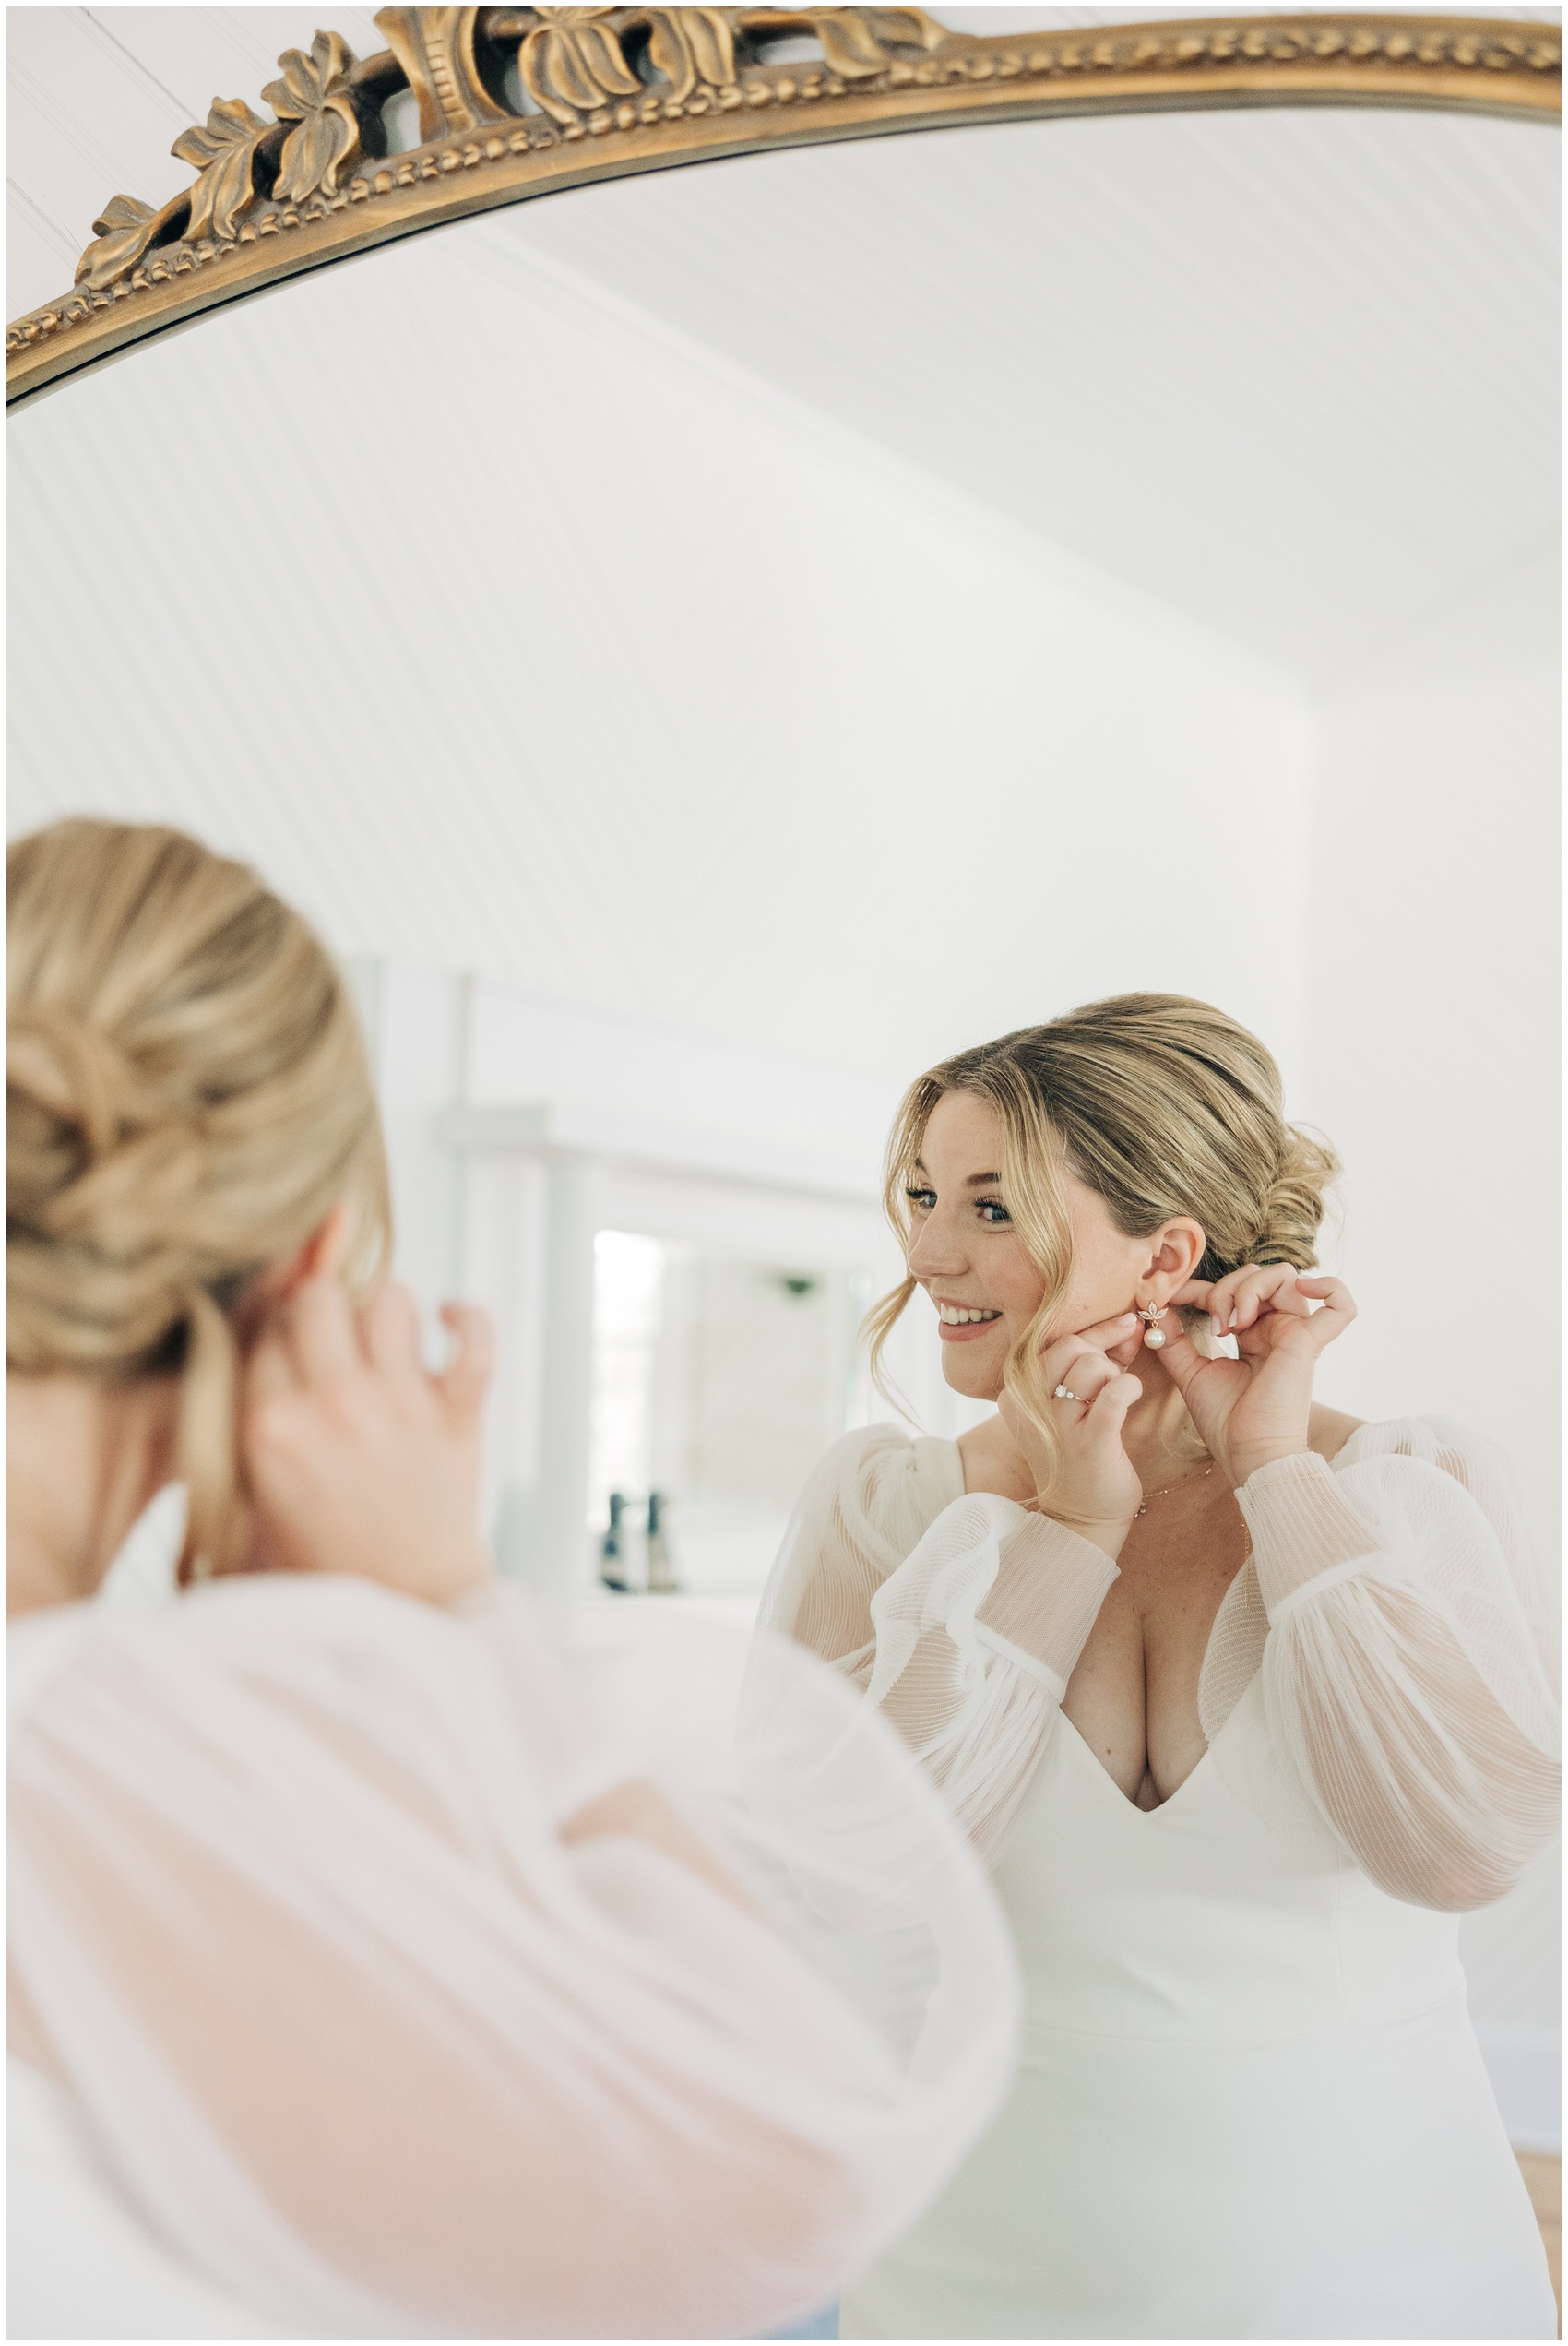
(707, 646)
(837, 601)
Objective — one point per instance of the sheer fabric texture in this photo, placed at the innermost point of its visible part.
(402, 1996)
(1401, 1621)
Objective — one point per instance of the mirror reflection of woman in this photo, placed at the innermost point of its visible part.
(362, 1982)
(1247, 1702)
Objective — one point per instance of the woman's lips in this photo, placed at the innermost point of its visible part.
(959, 1330)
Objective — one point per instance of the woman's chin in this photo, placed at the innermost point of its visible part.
(977, 1380)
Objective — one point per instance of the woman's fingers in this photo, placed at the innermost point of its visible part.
(1080, 1366)
(1181, 1358)
(466, 1377)
(321, 1333)
(1337, 1307)
(269, 1370)
(329, 1249)
(390, 1326)
(1194, 1296)
(1263, 1289)
(1220, 1302)
(1247, 1303)
(1108, 1413)
(1238, 1300)
(1226, 1306)
(1064, 1351)
(1106, 1332)
(1273, 1287)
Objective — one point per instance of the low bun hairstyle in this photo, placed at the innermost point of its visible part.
(188, 1099)
(1162, 1105)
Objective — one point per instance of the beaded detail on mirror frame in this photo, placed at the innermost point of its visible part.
(517, 101)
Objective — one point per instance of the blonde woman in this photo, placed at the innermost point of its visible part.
(361, 1984)
(1246, 1700)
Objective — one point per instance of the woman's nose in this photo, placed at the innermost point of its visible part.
(935, 1249)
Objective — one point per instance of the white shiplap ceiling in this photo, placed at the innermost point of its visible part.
(1293, 373)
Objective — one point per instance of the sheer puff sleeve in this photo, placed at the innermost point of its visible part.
(1409, 1671)
(402, 2007)
(959, 1614)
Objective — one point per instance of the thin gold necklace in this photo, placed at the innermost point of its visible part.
(1246, 1586)
(1175, 1486)
(1033, 1505)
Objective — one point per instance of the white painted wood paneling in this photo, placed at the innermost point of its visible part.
(512, 632)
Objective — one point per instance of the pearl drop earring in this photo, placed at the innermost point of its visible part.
(1151, 1314)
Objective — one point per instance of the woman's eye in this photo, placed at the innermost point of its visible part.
(923, 1200)
(992, 1210)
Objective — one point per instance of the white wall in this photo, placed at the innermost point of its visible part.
(510, 631)
(1434, 995)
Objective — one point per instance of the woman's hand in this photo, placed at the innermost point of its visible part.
(1257, 1408)
(1092, 1487)
(359, 1459)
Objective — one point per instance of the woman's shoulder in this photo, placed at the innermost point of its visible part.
(892, 1452)
(38, 1644)
(317, 1634)
(884, 1471)
(1458, 1451)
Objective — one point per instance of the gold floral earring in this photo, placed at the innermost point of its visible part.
(1151, 1314)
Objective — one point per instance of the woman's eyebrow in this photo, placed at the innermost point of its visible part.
(975, 1180)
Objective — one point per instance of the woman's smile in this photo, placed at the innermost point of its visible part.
(961, 1323)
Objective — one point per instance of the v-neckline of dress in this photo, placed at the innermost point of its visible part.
(1088, 1751)
(1145, 1816)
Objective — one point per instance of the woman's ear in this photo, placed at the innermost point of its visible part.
(322, 1256)
(326, 1250)
(1178, 1247)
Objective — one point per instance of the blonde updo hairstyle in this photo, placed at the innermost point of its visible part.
(188, 1099)
(1164, 1107)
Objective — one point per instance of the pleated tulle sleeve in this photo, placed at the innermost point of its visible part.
(1410, 1666)
(959, 1614)
(401, 1999)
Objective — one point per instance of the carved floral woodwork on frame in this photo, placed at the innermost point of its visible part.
(509, 99)
(574, 64)
(323, 126)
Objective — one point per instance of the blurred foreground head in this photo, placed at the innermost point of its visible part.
(187, 1101)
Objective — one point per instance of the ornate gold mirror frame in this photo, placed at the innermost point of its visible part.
(611, 91)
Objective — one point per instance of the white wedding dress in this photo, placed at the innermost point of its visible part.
(335, 2012)
(1250, 2104)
